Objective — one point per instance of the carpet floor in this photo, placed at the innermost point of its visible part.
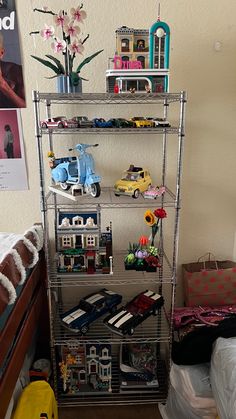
(110, 412)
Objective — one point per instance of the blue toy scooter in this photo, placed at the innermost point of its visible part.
(79, 171)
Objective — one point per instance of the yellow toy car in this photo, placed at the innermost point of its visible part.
(141, 122)
(135, 180)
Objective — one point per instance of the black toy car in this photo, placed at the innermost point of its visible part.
(83, 121)
(125, 319)
(121, 123)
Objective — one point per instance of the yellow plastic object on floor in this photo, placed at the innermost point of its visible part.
(37, 398)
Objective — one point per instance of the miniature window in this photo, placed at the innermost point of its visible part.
(125, 58)
(66, 241)
(125, 45)
(92, 351)
(159, 52)
(82, 375)
(141, 44)
(67, 261)
(141, 58)
(90, 240)
(105, 353)
(78, 221)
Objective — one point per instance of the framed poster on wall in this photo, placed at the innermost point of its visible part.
(12, 94)
(13, 175)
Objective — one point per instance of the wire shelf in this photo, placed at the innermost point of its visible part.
(117, 396)
(108, 98)
(107, 199)
(153, 329)
(122, 131)
(120, 275)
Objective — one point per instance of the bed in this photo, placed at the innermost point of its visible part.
(23, 303)
(223, 377)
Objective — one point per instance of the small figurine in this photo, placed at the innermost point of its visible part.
(148, 88)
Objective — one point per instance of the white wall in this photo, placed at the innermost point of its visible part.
(208, 75)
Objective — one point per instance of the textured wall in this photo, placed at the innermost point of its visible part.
(203, 62)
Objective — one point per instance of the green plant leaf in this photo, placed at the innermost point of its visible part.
(58, 63)
(47, 64)
(87, 60)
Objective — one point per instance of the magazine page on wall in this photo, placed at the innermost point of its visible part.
(13, 175)
(12, 92)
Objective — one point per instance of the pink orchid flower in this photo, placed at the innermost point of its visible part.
(58, 45)
(76, 47)
(47, 32)
(78, 14)
(61, 19)
(71, 30)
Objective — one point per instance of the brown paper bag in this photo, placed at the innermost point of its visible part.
(209, 282)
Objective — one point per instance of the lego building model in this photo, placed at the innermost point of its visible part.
(141, 61)
(82, 246)
(86, 368)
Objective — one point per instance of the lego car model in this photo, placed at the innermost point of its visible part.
(101, 123)
(134, 181)
(122, 123)
(141, 122)
(124, 320)
(59, 122)
(154, 191)
(83, 121)
(159, 122)
(89, 309)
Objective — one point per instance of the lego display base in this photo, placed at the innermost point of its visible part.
(66, 194)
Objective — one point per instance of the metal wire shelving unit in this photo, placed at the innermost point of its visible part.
(157, 329)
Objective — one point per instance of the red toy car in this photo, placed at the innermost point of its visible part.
(124, 320)
(59, 122)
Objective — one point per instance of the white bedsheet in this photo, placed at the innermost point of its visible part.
(223, 377)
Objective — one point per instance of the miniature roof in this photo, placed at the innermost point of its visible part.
(126, 30)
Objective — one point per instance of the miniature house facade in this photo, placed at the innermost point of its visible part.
(88, 367)
(141, 61)
(82, 247)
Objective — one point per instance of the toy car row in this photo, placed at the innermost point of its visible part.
(121, 321)
(84, 122)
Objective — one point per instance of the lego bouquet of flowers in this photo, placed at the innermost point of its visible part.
(144, 255)
(64, 39)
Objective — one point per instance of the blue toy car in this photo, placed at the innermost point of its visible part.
(101, 123)
(89, 309)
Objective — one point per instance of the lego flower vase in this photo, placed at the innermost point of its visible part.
(65, 85)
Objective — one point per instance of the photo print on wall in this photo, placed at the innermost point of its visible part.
(12, 93)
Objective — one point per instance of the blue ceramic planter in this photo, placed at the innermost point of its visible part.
(64, 85)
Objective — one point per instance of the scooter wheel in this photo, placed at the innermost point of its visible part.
(95, 190)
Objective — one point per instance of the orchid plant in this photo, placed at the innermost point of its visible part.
(68, 42)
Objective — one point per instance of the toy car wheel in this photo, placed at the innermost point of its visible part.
(155, 312)
(84, 330)
(136, 193)
(60, 125)
(116, 194)
(64, 186)
(95, 190)
(131, 331)
(44, 125)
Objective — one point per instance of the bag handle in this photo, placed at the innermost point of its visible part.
(211, 258)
